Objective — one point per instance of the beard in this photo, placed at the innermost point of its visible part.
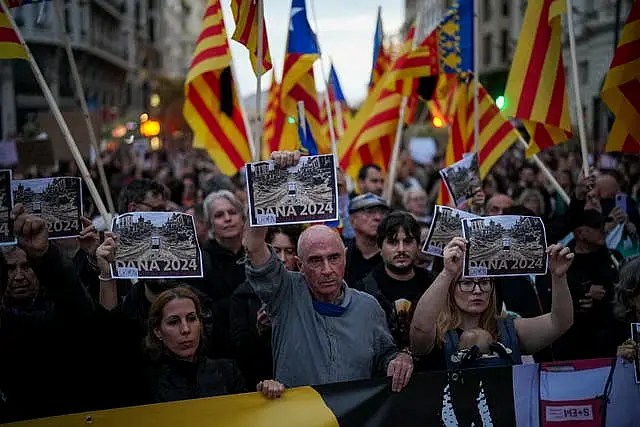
(399, 270)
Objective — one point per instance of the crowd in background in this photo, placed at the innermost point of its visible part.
(72, 339)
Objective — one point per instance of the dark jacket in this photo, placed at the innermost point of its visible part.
(40, 347)
(171, 379)
(252, 351)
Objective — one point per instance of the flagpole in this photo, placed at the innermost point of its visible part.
(57, 114)
(258, 139)
(395, 153)
(476, 80)
(545, 170)
(85, 109)
(332, 133)
(576, 88)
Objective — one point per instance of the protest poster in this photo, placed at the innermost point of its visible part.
(300, 194)
(156, 245)
(56, 200)
(635, 336)
(462, 178)
(446, 224)
(6, 204)
(508, 245)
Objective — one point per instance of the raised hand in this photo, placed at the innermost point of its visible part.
(453, 255)
(89, 238)
(106, 253)
(285, 159)
(31, 231)
(560, 259)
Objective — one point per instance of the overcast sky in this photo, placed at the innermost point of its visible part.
(345, 34)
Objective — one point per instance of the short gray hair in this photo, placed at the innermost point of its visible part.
(221, 194)
(626, 290)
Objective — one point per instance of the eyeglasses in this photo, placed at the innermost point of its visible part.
(485, 285)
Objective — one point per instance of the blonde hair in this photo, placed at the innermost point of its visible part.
(450, 318)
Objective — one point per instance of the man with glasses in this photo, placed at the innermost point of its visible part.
(363, 254)
(323, 330)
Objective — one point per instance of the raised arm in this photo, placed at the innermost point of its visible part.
(105, 254)
(431, 303)
(539, 332)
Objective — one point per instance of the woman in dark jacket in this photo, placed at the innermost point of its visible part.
(178, 368)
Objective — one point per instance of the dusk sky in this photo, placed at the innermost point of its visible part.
(345, 34)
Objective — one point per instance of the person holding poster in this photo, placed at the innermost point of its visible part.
(453, 304)
(323, 330)
(626, 308)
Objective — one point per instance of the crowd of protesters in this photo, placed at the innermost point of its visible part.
(291, 306)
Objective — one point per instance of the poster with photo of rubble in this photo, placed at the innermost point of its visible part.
(307, 192)
(462, 178)
(6, 205)
(156, 245)
(507, 245)
(446, 224)
(635, 336)
(56, 200)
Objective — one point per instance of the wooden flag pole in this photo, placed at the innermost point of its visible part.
(395, 153)
(57, 114)
(83, 106)
(547, 173)
(576, 88)
(476, 79)
(332, 133)
(258, 138)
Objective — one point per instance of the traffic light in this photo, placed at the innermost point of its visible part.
(501, 102)
(437, 122)
(291, 120)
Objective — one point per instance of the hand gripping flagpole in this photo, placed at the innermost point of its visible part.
(83, 106)
(258, 138)
(57, 114)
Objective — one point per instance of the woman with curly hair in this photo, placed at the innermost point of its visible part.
(626, 306)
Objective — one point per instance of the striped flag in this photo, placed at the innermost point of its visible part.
(211, 105)
(307, 143)
(17, 3)
(621, 89)
(497, 134)
(339, 108)
(274, 120)
(10, 46)
(381, 58)
(245, 14)
(442, 103)
(298, 83)
(536, 91)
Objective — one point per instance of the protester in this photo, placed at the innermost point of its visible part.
(249, 321)
(143, 195)
(415, 202)
(370, 180)
(397, 283)
(453, 304)
(497, 204)
(363, 254)
(323, 330)
(627, 309)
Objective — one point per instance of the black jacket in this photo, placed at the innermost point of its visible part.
(171, 379)
(253, 352)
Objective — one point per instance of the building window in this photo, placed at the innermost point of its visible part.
(504, 46)
(487, 10)
(506, 8)
(583, 72)
(487, 44)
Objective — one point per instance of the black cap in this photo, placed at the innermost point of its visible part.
(588, 218)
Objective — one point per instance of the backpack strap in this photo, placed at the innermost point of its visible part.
(509, 338)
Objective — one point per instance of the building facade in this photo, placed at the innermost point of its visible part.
(121, 47)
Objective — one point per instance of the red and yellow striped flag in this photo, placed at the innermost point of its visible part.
(371, 134)
(275, 125)
(536, 91)
(245, 14)
(381, 58)
(621, 89)
(442, 104)
(211, 105)
(10, 46)
(497, 133)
